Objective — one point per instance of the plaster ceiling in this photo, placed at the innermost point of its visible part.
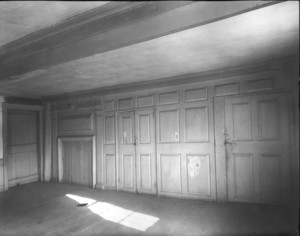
(18, 19)
(259, 35)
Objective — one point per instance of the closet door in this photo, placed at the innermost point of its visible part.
(257, 148)
(22, 160)
(126, 152)
(145, 151)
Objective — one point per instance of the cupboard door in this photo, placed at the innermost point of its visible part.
(145, 151)
(257, 148)
(126, 151)
(22, 161)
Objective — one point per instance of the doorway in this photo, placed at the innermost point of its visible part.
(136, 151)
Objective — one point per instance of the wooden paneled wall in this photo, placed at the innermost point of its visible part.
(190, 156)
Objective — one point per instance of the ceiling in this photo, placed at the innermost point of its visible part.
(256, 36)
(20, 18)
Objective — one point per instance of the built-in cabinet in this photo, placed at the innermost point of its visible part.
(220, 139)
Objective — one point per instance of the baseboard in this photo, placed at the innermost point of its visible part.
(24, 180)
(99, 186)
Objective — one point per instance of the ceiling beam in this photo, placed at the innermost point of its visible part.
(112, 27)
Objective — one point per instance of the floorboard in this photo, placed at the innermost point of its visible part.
(44, 209)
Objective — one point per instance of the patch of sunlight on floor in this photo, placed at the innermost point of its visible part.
(81, 200)
(117, 214)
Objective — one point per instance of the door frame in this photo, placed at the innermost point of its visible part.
(40, 159)
(220, 149)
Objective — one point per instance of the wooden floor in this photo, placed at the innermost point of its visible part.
(51, 209)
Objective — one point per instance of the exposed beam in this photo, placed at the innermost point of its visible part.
(111, 29)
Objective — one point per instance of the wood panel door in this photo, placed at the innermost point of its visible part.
(126, 152)
(22, 149)
(185, 150)
(136, 151)
(145, 151)
(77, 162)
(257, 148)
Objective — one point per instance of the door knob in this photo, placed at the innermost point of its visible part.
(135, 141)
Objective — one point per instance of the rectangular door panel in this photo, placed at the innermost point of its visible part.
(127, 176)
(145, 172)
(270, 177)
(198, 174)
(243, 175)
(170, 173)
(196, 124)
(169, 126)
(268, 119)
(110, 170)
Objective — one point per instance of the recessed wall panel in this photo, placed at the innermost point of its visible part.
(127, 171)
(145, 171)
(21, 127)
(127, 130)
(270, 178)
(196, 124)
(144, 129)
(79, 123)
(109, 127)
(145, 101)
(198, 171)
(170, 172)
(226, 89)
(268, 120)
(126, 103)
(110, 169)
(109, 105)
(259, 85)
(243, 176)
(241, 121)
(192, 95)
(169, 126)
(168, 98)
